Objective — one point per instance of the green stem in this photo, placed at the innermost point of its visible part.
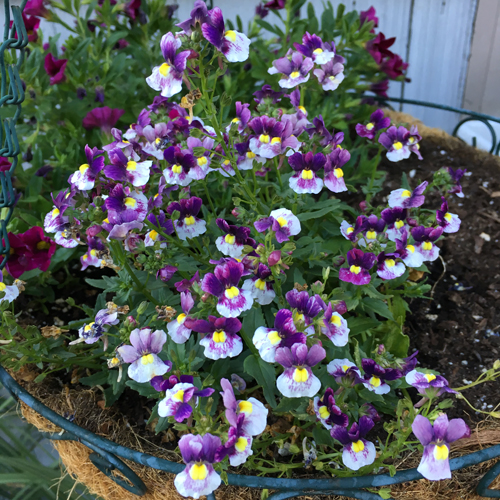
(137, 281)
(207, 192)
(278, 172)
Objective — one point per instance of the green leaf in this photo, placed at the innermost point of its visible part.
(145, 389)
(286, 405)
(264, 374)
(361, 324)
(378, 307)
(318, 213)
(322, 436)
(394, 340)
(98, 378)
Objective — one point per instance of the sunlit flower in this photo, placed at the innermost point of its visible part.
(449, 222)
(202, 167)
(403, 198)
(282, 222)
(177, 330)
(395, 140)
(127, 169)
(238, 446)
(84, 178)
(312, 46)
(327, 412)
(180, 399)
(294, 69)
(9, 292)
(125, 205)
(331, 74)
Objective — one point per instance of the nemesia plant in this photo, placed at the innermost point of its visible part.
(246, 286)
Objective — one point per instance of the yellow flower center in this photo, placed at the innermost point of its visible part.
(164, 69)
(336, 320)
(251, 155)
(282, 221)
(397, 145)
(276, 140)
(323, 412)
(157, 140)
(85, 257)
(181, 318)
(88, 327)
(274, 338)
(189, 220)
(349, 230)
(131, 166)
(441, 452)
(83, 168)
(232, 292)
(448, 217)
(198, 472)
(115, 361)
(202, 161)
(178, 396)
(370, 126)
(235, 120)
(230, 239)
(147, 359)
(245, 407)
(427, 245)
(375, 381)
(318, 51)
(130, 202)
(264, 138)
(176, 169)
(241, 444)
(106, 220)
(355, 269)
(399, 224)
(43, 245)
(301, 108)
(300, 375)
(345, 368)
(3, 286)
(153, 235)
(307, 175)
(55, 212)
(260, 284)
(358, 446)
(230, 35)
(226, 163)
(93, 252)
(429, 377)
(405, 194)
(410, 248)
(332, 78)
(338, 172)
(390, 262)
(219, 337)
(294, 74)
(298, 316)
(371, 235)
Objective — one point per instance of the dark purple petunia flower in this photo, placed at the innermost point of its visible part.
(403, 198)
(306, 166)
(456, 176)
(275, 4)
(366, 16)
(261, 11)
(188, 225)
(104, 118)
(327, 411)
(379, 47)
(393, 66)
(360, 264)
(377, 122)
(375, 376)
(55, 68)
(268, 94)
(32, 24)
(380, 88)
(37, 8)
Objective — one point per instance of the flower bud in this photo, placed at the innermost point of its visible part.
(412, 222)
(98, 201)
(317, 287)
(94, 230)
(274, 257)
(363, 205)
(205, 297)
(496, 365)
(338, 261)
(142, 308)
(339, 306)
(131, 320)
(226, 99)
(381, 349)
(235, 212)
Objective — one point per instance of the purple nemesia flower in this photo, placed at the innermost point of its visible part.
(373, 226)
(180, 162)
(345, 372)
(334, 175)
(284, 334)
(403, 198)
(221, 340)
(127, 170)
(92, 256)
(413, 141)
(188, 225)
(177, 330)
(121, 142)
(428, 384)
(167, 78)
(180, 399)
(366, 16)
(360, 264)
(335, 327)
(165, 273)
(202, 167)
(199, 477)
(223, 284)
(161, 384)
(298, 380)
(275, 4)
(243, 116)
(312, 46)
(271, 138)
(409, 363)
(186, 284)
(255, 412)
(449, 222)
(137, 129)
(282, 222)
(436, 440)
(369, 411)
(331, 74)
(84, 178)
(388, 268)
(380, 88)
(262, 290)
(199, 16)
(305, 178)
(143, 354)
(408, 253)
(350, 232)
(162, 224)
(236, 237)
(306, 308)
(55, 68)
(395, 219)
(294, 69)
(320, 129)
(104, 118)
(125, 205)
(377, 122)
(327, 412)
(233, 44)
(155, 136)
(55, 220)
(267, 94)
(425, 238)
(375, 376)
(238, 446)
(246, 157)
(92, 332)
(395, 140)
(357, 451)
(456, 176)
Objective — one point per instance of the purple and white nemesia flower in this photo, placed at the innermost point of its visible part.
(403, 198)
(413, 141)
(272, 138)
(202, 167)
(377, 122)
(238, 446)
(188, 225)
(335, 327)
(167, 77)
(305, 308)
(262, 290)
(179, 400)
(305, 178)
(327, 411)
(233, 44)
(455, 177)
(92, 332)
(395, 140)
(388, 268)
(243, 116)
(331, 74)
(408, 253)
(373, 226)
(395, 219)
(143, 354)
(375, 376)
(334, 175)
(221, 340)
(294, 69)
(428, 384)
(449, 222)
(425, 238)
(345, 372)
(255, 412)
(360, 263)
(312, 46)
(357, 451)
(127, 169)
(235, 239)
(436, 440)
(298, 380)
(284, 334)
(179, 167)
(223, 284)
(199, 477)
(176, 328)
(84, 178)
(162, 224)
(282, 222)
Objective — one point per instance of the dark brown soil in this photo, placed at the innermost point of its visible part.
(458, 332)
